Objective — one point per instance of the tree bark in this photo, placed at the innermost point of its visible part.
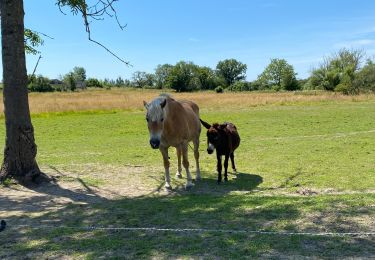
(20, 148)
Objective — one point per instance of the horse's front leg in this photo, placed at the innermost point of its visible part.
(179, 168)
(164, 153)
(226, 167)
(185, 163)
(218, 157)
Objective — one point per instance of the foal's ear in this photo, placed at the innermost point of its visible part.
(162, 104)
(145, 104)
(206, 125)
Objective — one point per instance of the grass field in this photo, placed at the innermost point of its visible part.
(306, 163)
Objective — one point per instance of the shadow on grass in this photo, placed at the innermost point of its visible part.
(208, 209)
(239, 182)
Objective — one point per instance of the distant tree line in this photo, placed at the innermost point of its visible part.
(344, 71)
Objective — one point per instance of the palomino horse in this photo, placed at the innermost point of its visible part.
(174, 123)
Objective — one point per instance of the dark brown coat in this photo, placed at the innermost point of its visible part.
(225, 139)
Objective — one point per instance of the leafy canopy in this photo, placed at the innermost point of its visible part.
(231, 70)
(278, 75)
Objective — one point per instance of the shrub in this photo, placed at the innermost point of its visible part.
(93, 83)
(365, 79)
(40, 84)
(238, 86)
(70, 82)
(219, 89)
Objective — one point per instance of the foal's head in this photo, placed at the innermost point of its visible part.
(155, 120)
(215, 134)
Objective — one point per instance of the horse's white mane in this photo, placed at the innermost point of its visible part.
(154, 109)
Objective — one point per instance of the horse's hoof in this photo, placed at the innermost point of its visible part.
(168, 188)
(179, 175)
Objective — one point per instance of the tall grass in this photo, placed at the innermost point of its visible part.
(125, 99)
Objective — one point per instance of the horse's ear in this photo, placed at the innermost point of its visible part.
(206, 125)
(145, 104)
(162, 104)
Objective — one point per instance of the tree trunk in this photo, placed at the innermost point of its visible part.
(20, 148)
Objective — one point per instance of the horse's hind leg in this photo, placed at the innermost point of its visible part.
(185, 163)
(233, 165)
(196, 156)
(226, 167)
(164, 152)
(179, 169)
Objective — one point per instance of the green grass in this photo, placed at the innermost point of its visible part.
(321, 146)
(327, 147)
(238, 212)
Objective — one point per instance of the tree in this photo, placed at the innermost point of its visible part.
(119, 82)
(183, 77)
(278, 75)
(231, 70)
(161, 74)
(79, 74)
(365, 78)
(206, 77)
(337, 72)
(70, 81)
(142, 79)
(20, 148)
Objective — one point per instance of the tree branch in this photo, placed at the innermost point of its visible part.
(96, 12)
(36, 65)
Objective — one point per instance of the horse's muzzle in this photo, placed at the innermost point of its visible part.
(155, 143)
(210, 148)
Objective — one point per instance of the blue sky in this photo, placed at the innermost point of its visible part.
(202, 31)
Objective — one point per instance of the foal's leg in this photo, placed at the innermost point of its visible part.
(164, 152)
(179, 169)
(196, 156)
(218, 157)
(185, 162)
(233, 165)
(226, 167)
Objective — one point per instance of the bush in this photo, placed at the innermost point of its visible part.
(40, 84)
(59, 87)
(219, 89)
(93, 83)
(70, 82)
(238, 86)
(337, 72)
(365, 79)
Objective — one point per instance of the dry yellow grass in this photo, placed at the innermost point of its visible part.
(131, 99)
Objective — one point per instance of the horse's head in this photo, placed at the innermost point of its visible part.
(155, 120)
(215, 134)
